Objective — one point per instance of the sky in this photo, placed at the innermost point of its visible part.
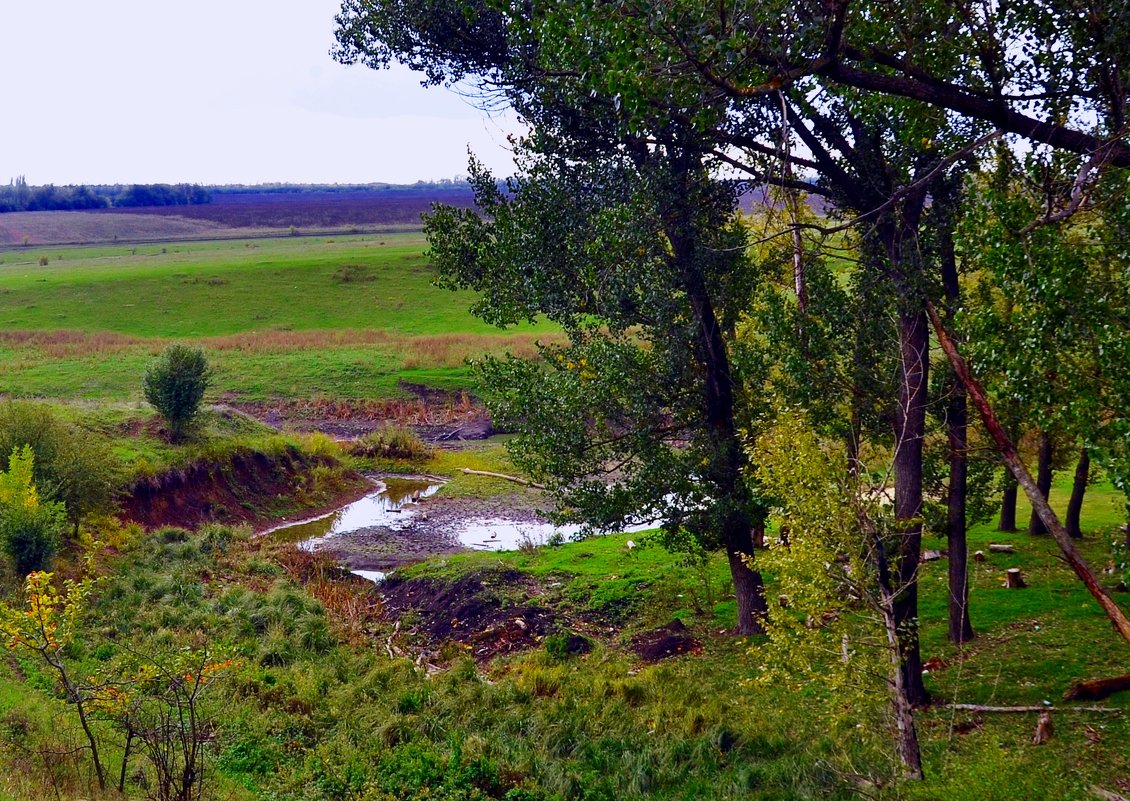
(218, 92)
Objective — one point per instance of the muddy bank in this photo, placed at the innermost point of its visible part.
(490, 611)
(239, 488)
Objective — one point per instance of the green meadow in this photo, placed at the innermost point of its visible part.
(340, 317)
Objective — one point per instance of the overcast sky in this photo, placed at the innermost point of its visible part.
(217, 91)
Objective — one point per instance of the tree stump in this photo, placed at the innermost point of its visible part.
(978, 556)
(1044, 729)
(1013, 580)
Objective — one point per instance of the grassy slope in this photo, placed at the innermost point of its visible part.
(282, 318)
(316, 721)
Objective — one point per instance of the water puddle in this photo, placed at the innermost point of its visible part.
(392, 506)
(375, 576)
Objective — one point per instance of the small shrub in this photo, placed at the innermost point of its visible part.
(31, 537)
(171, 534)
(72, 465)
(392, 443)
(175, 385)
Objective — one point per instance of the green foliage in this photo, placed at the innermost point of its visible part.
(175, 384)
(72, 465)
(819, 560)
(638, 382)
(30, 529)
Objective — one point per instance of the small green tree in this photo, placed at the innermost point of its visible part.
(72, 465)
(30, 529)
(175, 384)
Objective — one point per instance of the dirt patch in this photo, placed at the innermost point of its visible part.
(662, 643)
(488, 611)
(435, 415)
(237, 490)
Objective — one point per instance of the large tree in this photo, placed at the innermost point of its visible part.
(616, 230)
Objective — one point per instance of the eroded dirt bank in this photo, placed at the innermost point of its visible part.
(246, 486)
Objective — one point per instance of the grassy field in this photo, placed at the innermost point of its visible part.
(284, 318)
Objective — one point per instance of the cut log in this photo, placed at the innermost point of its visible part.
(978, 556)
(1013, 580)
(931, 556)
(998, 548)
(1044, 729)
(1096, 689)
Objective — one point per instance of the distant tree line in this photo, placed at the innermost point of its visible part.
(19, 196)
(459, 182)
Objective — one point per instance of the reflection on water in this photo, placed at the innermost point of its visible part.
(392, 506)
(500, 534)
(375, 576)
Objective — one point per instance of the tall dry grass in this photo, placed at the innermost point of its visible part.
(67, 344)
(352, 607)
(432, 351)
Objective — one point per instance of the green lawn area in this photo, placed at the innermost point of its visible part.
(344, 317)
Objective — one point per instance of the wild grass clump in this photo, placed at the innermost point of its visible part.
(401, 444)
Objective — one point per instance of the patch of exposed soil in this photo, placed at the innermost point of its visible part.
(667, 641)
(436, 415)
(488, 611)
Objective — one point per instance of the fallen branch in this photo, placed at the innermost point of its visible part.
(1097, 689)
(515, 479)
(1019, 709)
(388, 644)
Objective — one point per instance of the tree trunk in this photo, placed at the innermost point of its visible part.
(910, 429)
(901, 705)
(749, 589)
(1008, 504)
(1014, 463)
(960, 627)
(728, 460)
(1078, 490)
(1043, 482)
(957, 420)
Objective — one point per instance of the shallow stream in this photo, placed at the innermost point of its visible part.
(394, 512)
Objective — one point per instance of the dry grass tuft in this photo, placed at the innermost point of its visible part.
(352, 606)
